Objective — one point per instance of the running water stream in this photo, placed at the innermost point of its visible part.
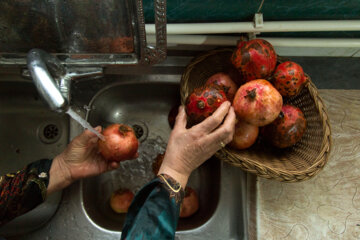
(84, 123)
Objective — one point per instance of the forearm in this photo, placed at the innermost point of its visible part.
(59, 177)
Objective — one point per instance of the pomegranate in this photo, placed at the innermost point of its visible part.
(120, 143)
(245, 135)
(257, 102)
(289, 78)
(157, 163)
(287, 129)
(255, 59)
(227, 84)
(120, 200)
(190, 203)
(203, 101)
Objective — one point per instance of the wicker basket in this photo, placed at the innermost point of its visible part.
(297, 163)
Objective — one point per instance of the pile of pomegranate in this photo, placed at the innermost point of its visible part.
(258, 101)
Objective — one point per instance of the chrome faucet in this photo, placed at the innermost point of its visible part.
(55, 88)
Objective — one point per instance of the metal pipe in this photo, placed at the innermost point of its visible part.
(245, 27)
(277, 42)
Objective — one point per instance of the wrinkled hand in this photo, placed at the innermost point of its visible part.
(80, 159)
(187, 149)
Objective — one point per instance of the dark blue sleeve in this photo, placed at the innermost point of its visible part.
(153, 214)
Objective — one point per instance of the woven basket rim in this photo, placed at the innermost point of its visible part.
(254, 166)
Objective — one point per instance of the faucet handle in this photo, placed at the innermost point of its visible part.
(39, 62)
(88, 72)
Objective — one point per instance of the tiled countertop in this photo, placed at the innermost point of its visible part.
(327, 206)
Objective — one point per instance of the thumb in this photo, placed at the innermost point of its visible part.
(181, 120)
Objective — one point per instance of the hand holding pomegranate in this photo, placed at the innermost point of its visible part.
(80, 159)
(187, 149)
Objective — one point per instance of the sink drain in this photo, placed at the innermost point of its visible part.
(141, 131)
(49, 132)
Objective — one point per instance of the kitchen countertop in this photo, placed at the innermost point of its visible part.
(328, 205)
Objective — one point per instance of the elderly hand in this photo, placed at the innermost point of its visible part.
(80, 159)
(187, 149)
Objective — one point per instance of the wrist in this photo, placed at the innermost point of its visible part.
(181, 178)
(60, 176)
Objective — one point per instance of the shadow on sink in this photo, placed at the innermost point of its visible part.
(145, 106)
(29, 132)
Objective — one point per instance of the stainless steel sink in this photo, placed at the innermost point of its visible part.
(145, 101)
(145, 106)
(28, 132)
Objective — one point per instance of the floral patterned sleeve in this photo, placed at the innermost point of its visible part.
(22, 191)
(154, 212)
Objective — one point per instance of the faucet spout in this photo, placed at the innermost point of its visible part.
(55, 87)
(38, 62)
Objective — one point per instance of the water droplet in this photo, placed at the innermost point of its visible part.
(134, 174)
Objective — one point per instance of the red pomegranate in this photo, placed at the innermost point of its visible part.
(289, 78)
(257, 102)
(203, 101)
(287, 129)
(227, 84)
(120, 200)
(245, 135)
(255, 59)
(120, 143)
(190, 203)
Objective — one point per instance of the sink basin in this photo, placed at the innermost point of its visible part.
(29, 132)
(145, 106)
(143, 100)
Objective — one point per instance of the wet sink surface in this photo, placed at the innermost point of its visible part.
(144, 106)
(29, 132)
